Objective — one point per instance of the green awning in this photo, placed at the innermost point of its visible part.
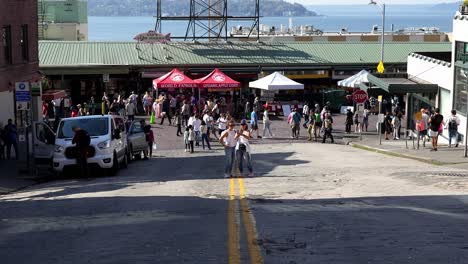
(399, 85)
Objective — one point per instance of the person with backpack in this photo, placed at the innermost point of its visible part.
(82, 140)
(435, 124)
(295, 122)
(328, 124)
(452, 124)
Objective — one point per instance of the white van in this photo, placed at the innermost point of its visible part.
(108, 149)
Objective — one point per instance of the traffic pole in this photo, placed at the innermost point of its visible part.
(380, 124)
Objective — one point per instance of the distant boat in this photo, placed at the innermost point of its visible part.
(153, 37)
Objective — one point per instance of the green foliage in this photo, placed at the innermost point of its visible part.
(181, 8)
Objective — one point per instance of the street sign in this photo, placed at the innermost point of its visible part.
(380, 98)
(22, 93)
(105, 77)
(36, 88)
(360, 97)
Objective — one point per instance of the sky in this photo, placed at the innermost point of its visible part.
(354, 2)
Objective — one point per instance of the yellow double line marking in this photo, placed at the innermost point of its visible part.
(233, 226)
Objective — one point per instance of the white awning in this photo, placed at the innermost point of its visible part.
(355, 80)
(275, 82)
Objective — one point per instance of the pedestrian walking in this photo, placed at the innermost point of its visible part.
(147, 103)
(388, 125)
(130, 110)
(178, 121)
(204, 135)
(311, 126)
(266, 123)
(91, 106)
(349, 121)
(254, 122)
(166, 111)
(196, 123)
(328, 124)
(149, 135)
(186, 113)
(357, 126)
(222, 123)
(209, 121)
(452, 124)
(243, 148)
(82, 140)
(436, 123)
(173, 105)
(2, 142)
(305, 113)
(186, 139)
(396, 124)
(228, 140)
(365, 120)
(294, 120)
(318, 124)
(11, 133)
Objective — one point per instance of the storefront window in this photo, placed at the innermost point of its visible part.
(461, 85)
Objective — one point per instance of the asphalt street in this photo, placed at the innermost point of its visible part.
(308, 203)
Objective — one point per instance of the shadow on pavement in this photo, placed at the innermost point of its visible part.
(424, 229)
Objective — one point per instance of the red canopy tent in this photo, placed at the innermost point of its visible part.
(217, 79)
(175, 79)
(53, 94)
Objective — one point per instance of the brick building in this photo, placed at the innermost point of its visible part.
(18, 50)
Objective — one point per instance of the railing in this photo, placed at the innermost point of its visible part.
(462, 57)
(464, 9)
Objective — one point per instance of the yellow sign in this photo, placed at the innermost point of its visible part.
(381, 67)
(380, 98)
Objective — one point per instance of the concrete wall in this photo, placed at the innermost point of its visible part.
(66, 31)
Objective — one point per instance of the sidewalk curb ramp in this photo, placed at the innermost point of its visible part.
(401, 155)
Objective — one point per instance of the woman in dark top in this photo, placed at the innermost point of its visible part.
(388, 125)
(435, 123)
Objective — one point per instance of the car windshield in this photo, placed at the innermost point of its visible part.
(94, 127)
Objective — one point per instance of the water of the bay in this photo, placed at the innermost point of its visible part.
(357, 19)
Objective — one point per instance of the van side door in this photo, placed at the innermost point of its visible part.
(43, 142)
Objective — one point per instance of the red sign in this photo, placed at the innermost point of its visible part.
(360, 96)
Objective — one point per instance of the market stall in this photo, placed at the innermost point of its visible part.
(278, 82)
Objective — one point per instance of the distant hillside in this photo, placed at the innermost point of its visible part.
(447, 6)
(181, 8)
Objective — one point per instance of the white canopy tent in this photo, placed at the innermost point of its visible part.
(355, 80)
(276, 82)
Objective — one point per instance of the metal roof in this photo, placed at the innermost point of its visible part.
(399, 85)
(58, 54)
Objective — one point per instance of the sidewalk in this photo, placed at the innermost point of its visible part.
(10, 180)
(444, 155)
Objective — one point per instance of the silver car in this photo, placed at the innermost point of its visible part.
(136, 139)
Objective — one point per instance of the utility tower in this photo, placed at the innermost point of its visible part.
(208, 19)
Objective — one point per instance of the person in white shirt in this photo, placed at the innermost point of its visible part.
(196, 128)
(130, 109)
(305, 113)
(228, 140)
(243, 148)
(208, 118)
(266, 123)
(222, 123)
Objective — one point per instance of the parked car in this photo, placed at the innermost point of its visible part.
(108, 149)
(136, 139)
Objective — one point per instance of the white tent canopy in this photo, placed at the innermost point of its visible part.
(355, 80)
(275, 82)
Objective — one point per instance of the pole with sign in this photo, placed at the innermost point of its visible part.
(23, 101)
(360, 97)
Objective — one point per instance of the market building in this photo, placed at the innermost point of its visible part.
(18, 51)
(84, 69)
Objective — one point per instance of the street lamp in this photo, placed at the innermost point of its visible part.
(382, 9)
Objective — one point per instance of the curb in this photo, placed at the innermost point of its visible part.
(400, 155)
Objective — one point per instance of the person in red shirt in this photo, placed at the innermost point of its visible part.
(45, 110)
(74, 112)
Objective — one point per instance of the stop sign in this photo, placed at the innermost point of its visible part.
(360, 96)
